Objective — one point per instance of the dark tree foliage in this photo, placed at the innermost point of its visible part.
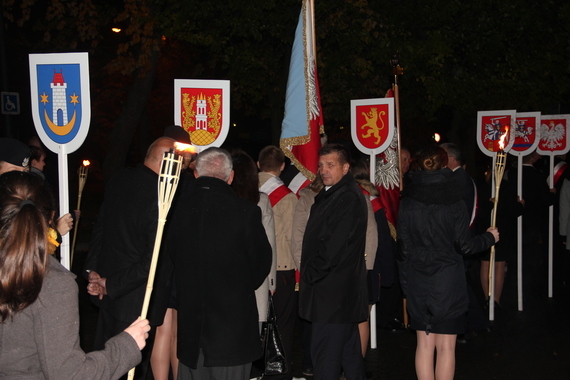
(458, 56)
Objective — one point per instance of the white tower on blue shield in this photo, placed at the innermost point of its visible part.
(59, 99)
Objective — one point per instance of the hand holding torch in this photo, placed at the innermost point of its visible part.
(167, 183)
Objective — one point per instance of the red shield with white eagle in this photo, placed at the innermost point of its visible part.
(202, 109)
(553, 134)
(372, 124)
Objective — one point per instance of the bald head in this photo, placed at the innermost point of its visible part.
(156, 151)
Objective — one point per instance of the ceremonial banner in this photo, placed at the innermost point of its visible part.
(554, 137)
(526, 133)
(491, 126)
(61, 110)
(303, 121)
(61, 104)
(202, 108)
(372, 124)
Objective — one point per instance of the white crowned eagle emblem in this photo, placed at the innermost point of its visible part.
(553, 135)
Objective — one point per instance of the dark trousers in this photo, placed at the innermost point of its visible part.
(238, 372)
(285, 301)
(336, 347)
(108, 327)
(306, 342)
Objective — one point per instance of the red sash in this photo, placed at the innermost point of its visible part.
(279, 193)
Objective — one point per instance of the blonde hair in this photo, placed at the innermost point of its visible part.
(432, 158)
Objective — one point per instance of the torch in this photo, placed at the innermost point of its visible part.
(82, 173)
(167, 183)
(498, 171)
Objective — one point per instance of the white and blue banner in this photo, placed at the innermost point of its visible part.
(61, 110)
(61, 103)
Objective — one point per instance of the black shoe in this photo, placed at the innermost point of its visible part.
(308, 372)
(394, 325)
(464, 338)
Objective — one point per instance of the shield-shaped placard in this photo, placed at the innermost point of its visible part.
(202, 108)
(527, 137)
(554, 138)
(61, 105)
(491, 127)
(372, 124)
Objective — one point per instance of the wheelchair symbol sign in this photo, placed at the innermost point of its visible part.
(10, 103)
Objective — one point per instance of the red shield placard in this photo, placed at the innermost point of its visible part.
(526, 133)
(372, 124)
(554, 135)
(491, 126)
(202, 109)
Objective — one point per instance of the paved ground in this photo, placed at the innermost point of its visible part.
(528, 345)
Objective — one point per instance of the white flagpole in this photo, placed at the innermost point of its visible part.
(550, 230)
(373, 337)
(519, 239)
(63, 202)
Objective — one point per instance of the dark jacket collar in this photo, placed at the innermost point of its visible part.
(147, 170)
(345, 180)
(212, 183)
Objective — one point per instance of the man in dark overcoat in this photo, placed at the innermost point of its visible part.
(216, 273)
(333, 291)
(121, 248)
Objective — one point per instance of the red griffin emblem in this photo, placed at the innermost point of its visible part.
(372, 125)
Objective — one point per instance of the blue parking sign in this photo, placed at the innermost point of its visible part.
(10, 103)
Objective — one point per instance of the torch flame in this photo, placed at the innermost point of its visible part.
(185, 147)
(502, 139)
(86, 163)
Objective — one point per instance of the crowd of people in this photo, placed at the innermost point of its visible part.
(237, 238)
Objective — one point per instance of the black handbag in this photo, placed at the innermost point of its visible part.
(273, 360)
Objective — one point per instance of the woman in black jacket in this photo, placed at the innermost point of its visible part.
(433, 232)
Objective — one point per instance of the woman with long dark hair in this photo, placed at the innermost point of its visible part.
(433, 232)
(246, 185)
(39, 317)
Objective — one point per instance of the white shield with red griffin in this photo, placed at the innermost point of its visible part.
(202, 108)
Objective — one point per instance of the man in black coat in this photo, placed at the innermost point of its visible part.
(333, 291)
(122, 243)
(537, 197)
(455, 163)
(217, 271)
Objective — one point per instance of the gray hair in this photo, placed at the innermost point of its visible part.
(453, 151)
(214, 162)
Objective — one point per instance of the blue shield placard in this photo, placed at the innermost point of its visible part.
(61, 105)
